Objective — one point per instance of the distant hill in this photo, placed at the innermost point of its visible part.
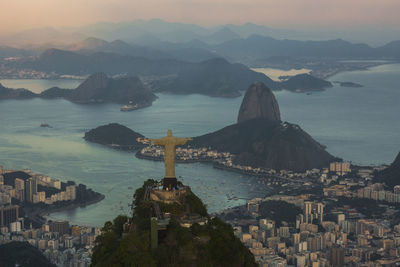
(7, 51)
(22, 254)
(391, 175)
(56, 92)
(99, 88)
(183, 52)
(220, 36)
(257, 47)
(391, 49)
(215, 77)
(93, 45)
(191, 54)
(268, 144)
(90, 43)
(68, 62)
(8, 93)
(114, 135)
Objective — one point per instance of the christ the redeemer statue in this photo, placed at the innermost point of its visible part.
(169, 143)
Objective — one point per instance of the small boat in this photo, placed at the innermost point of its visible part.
(129, 107)
(45, 125)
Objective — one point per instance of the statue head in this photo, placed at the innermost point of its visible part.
(169, 132)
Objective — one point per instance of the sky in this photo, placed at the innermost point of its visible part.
(16, 15)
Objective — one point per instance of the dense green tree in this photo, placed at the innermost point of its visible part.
(279, 211)
(212, 244)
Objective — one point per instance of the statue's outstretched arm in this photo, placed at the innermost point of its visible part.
(158, 141)
(182, 141)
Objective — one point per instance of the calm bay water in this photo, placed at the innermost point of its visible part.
(357, 124)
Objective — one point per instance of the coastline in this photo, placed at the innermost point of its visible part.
(218, 165)
(72, 206)
(327, 75)
(39, 215)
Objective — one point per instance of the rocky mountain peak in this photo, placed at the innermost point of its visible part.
(396, 163)
(259, 102)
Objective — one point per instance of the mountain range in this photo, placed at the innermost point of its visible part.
(235, 42)
(146, 32)
(214, 77)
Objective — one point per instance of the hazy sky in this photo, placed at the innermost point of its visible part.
(22, 14)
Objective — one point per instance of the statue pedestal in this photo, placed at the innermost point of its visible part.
(170, 183)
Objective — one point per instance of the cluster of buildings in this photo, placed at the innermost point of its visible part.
(184, 154)
(25, 191)
(25, 188)
(24, 73)
(342, 237)
(314, 241)
(62, 244)
(223, 159)
(377, 192)
(374, 191)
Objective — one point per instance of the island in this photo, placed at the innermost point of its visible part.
(305, 83)
(349, 84)
(115, 136)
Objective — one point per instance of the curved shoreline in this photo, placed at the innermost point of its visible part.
(40, 215)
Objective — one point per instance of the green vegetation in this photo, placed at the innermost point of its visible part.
(279, 211)
(114, 134)
(212, 244)
(391, 175)
(368, 207)
(22, 254)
